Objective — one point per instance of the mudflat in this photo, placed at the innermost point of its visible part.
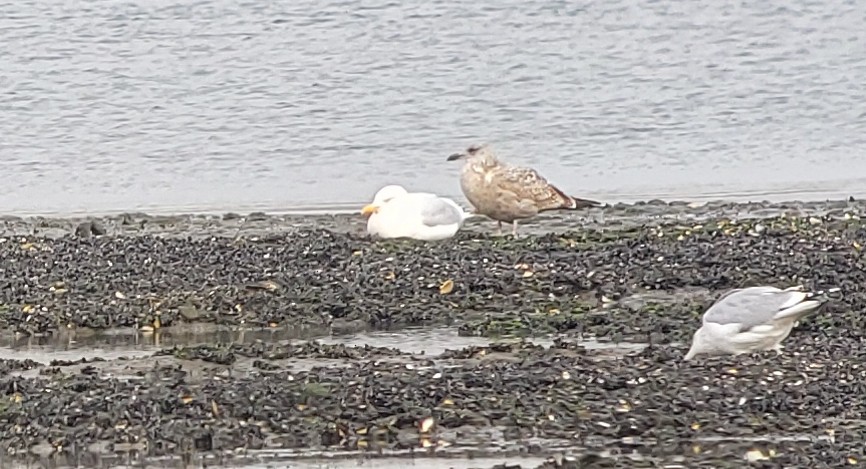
(296, 341)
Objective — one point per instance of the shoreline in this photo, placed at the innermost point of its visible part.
(234, 224)
(704, 196)
(639, 274)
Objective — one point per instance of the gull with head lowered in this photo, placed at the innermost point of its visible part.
(397, 213)
(752, 319)
(509, 193)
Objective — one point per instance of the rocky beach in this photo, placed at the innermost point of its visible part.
(259, 340)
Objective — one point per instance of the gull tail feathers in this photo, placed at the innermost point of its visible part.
(799, 310)
(822, 296)
(577, 203)
(805, 303)
(574, 203)
(469, 215)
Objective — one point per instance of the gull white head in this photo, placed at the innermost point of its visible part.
(706, 342)
(382, 197)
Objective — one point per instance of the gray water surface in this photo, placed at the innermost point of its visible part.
(169, 105)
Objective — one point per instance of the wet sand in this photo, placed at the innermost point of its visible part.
(259, 223)
(263, 340)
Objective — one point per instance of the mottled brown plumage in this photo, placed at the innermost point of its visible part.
(509, 193)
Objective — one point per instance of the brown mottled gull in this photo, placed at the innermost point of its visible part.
(509, 193)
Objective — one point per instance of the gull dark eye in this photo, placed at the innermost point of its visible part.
(473, 148)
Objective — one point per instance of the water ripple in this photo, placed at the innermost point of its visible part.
(226, 104)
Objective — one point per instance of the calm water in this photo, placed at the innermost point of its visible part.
(237, 105)
(428, 341)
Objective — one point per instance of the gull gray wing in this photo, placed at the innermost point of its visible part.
(755, 306)
(437, 211)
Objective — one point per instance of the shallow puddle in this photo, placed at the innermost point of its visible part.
(627, 450)
(401, 463)
(134, 344)
(47, 353)
(265, 461)
(418, 341)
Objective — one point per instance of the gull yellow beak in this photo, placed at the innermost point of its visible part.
(369, 210)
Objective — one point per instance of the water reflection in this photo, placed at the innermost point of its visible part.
(627, 452)
(131, 343)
